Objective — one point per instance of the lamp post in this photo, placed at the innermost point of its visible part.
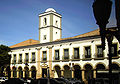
(102, 10)
(48, 75)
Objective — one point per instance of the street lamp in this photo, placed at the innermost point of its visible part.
(48, 75)
(102, 10)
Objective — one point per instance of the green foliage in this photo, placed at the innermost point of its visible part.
(4, 56)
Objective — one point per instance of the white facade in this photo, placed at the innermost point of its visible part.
(61, 66)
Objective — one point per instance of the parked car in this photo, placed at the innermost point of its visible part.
(13, 81)
(75, 81)
(3, 79)
(66, 81)
(47, 81)
(99, 81)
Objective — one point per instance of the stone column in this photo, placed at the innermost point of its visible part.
(83, 75)
(30, 73)
(62, 73)
(23, 73)
(17, 74)
(38, 73)
(72, 73)
(11, 74)
(94, 73)
(50, 61)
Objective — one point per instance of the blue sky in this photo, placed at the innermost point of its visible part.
(19, 18)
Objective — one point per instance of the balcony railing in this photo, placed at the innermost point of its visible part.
(19, 61)
(99, 56)
(75, 57)
(32, 60)
(86, 57)
(44, 59)
(14, 62)
(56, 59)
(26, 60)
(65, 58)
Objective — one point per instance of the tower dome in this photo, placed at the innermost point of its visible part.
(50, 9)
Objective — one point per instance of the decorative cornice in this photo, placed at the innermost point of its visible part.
(50, 26)
(48, 13)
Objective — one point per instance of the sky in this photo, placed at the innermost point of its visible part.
(19, 19)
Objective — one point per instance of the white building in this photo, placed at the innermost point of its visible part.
(79, 57)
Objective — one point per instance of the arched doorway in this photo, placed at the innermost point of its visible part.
(67, 72)
(20, 72)
(100, 68)
(33, 72)
(77, 72)
(57, 72)
(88, 71)
(26, 72)
(14, 72)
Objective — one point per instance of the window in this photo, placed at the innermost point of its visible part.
(45, 21)
(66, 53)
(44, 37)
(33, 56)
(56, 54)
(26, 57)
(14, 58)
(99, 51)
(20, 58)
(44, 55)
(87, 52)
(114, 50)
(56, 23)
(76, 53)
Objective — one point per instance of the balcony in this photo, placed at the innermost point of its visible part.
(44, 60)
(99, 56)
(65, 58)
(86, 57)
(19, 61)
(26, 61)
(75, 58)
(13, 62)
(32, 60)
(56, 59)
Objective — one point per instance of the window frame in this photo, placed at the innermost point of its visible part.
(66, 57)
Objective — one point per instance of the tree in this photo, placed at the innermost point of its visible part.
(4, 57)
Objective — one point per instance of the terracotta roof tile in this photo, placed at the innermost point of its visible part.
(25, 43)
(92, 33)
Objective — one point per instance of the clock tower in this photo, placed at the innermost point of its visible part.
(49, 26)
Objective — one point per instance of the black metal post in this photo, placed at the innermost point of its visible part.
(109, 39)
(48, 75)
(71, 71)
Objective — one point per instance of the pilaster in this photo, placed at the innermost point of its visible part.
(39, 71)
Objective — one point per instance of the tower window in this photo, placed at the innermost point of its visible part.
(44, 38)
(45, 21)
(56, 23)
